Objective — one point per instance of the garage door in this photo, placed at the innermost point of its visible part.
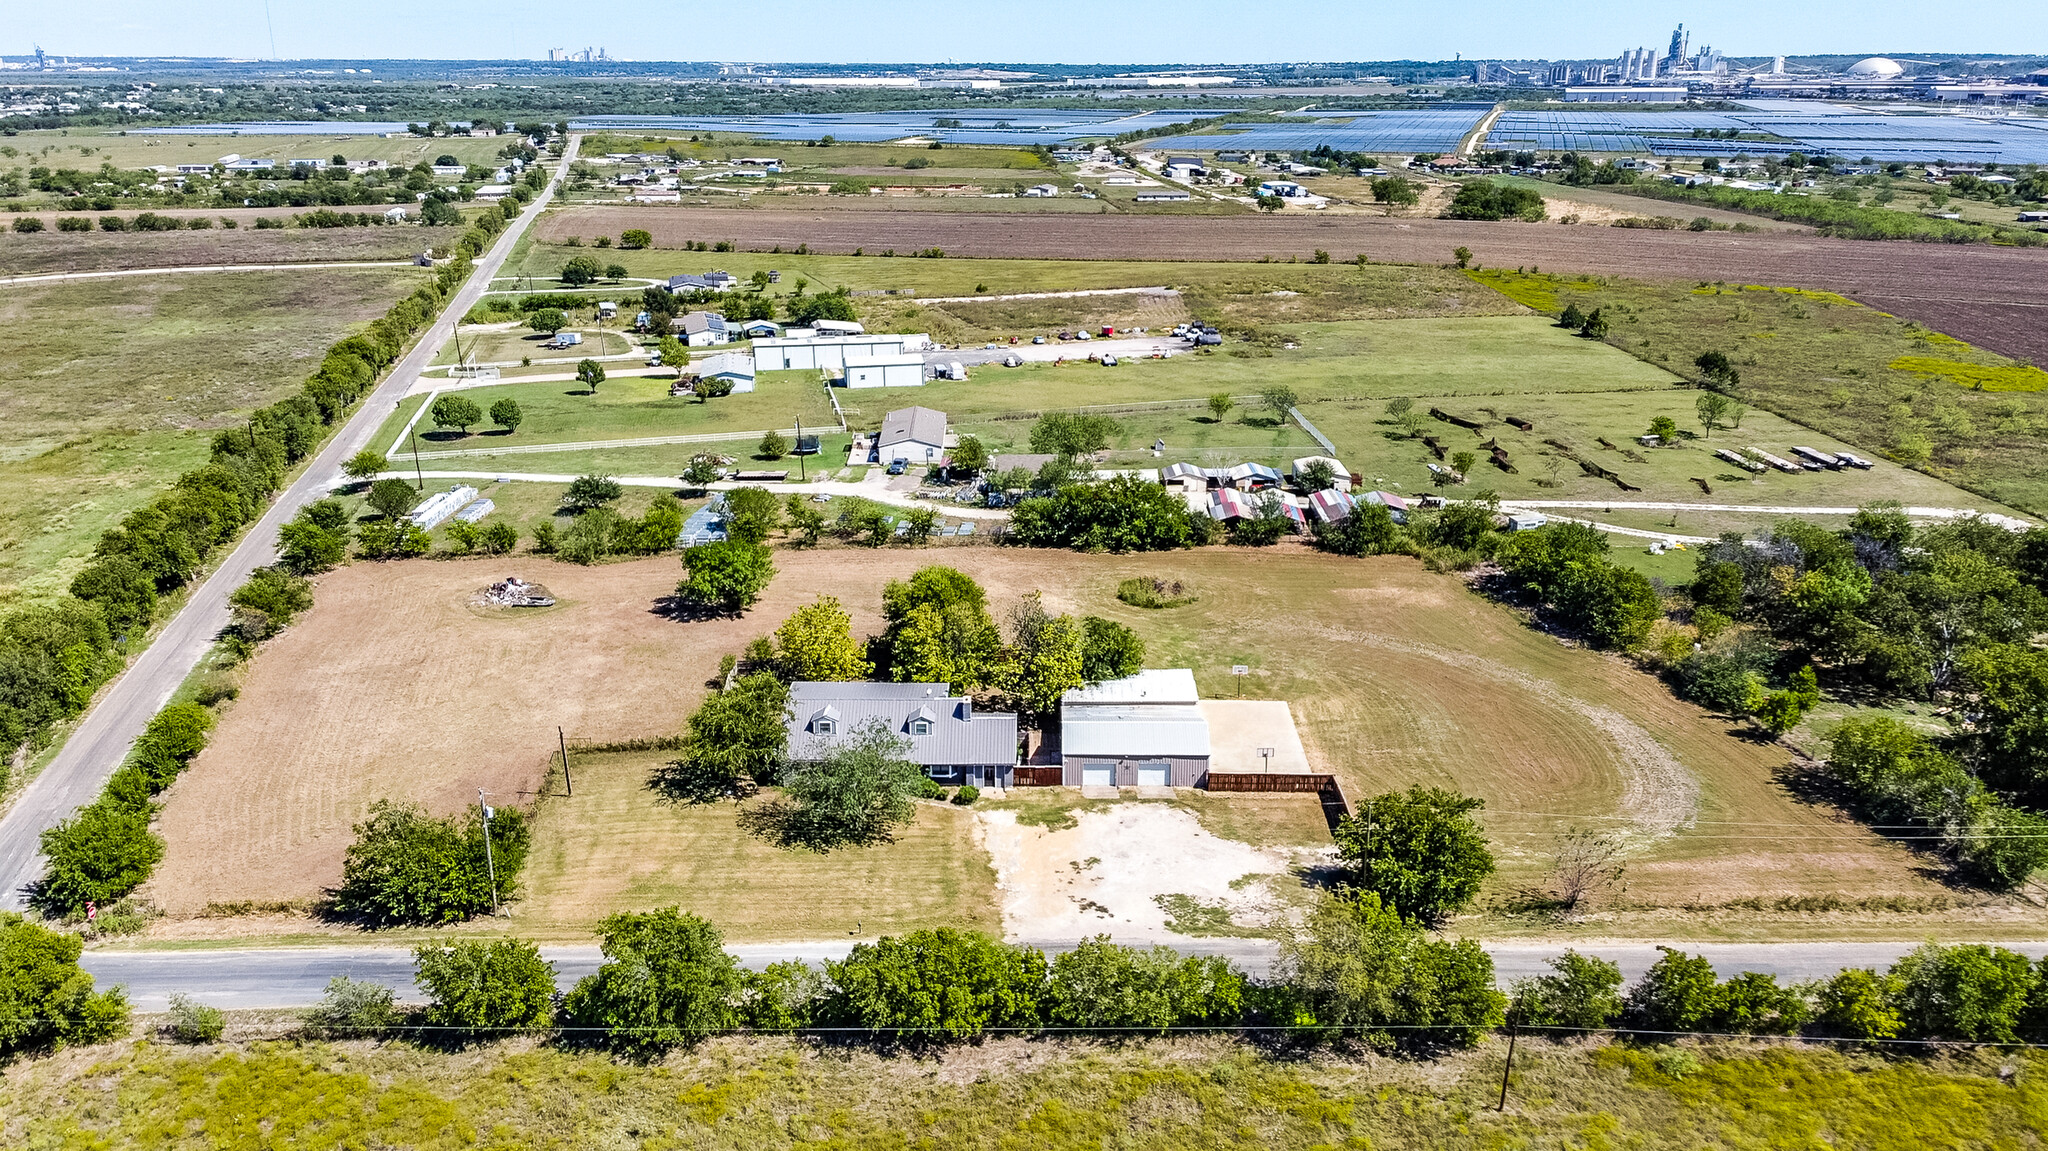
(1151, 775)
(1098, 775)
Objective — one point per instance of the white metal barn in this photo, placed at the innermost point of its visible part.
(735, 366)
(890, 370)
(830, 352)
(1146, 730)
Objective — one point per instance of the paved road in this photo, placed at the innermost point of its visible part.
(53, 276)
(296, 977)
(1916, 512)
(103, 737)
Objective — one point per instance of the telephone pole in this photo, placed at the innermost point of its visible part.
(570, 783)
(490, 862)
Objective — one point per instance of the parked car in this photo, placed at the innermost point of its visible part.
(1038, 339)
(896, 467)
(1109, 361)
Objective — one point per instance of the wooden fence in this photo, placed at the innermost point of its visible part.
(1324, 787)
(1040, 776)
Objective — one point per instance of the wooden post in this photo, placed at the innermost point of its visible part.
(1509, 1065)
(567, 782)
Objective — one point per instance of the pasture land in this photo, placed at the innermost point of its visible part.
(1057, 1095)
(1318, 291)
(1886, 385)
(613, 846)
(51, 252)
(111, 392)
(1987, 295)
(89, 148)
(625, 407)
(392, 686)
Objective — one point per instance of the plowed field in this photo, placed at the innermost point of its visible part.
(1995, 297)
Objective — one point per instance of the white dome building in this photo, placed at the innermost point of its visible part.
(1876, 68)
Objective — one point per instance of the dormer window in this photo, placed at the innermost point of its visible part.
(825, 727)
(920, 727)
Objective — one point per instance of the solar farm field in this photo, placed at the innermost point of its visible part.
(1775, 128)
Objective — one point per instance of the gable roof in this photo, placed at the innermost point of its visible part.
(694, 322)
(961, 736)
(913, 425)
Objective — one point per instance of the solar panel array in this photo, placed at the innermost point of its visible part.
(1795, 126)
(1401, 132)
(1022, 127)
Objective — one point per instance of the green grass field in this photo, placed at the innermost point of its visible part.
(1884, 385)
(625, 407)
(1204, 1093)
(90, 147)
(110, 393)
(614, 846)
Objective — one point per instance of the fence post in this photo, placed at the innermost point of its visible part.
(566, 781)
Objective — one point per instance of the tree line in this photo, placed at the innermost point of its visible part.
(1876, 612)
(105, 850)
(1353, 975)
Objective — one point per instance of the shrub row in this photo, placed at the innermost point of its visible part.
(1834, 218)
(106, 849)
(1358, 972)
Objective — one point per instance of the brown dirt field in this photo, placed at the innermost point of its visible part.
(1977, 285)
(391, 686)
(53, 251)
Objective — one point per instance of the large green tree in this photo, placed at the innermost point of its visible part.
(1420, 851)
(942, 984)
(854, 795)
(1358, 968)
(454, 411)
(484, 989)
(666, 981)
(816, 643)
(407, 867)
(734, 741)
(46, 1001)
(725, 577)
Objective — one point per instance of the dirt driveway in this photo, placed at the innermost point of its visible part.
(1110, 872)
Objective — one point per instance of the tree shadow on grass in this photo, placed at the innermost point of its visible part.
(1810, 786)
(674, 608)
(793, 828)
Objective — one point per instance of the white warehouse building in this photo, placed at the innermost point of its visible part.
(830, 353)
(889, 370)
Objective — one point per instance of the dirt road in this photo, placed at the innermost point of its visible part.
(75, 776)
(1996, 297)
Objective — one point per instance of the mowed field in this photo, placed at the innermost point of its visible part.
(1987, 295)
(109, 391)
(393, 687)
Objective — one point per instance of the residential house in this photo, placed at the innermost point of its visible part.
(708, 282)
(913, 435)
(1329, 505)
(1145, 730)
(1336, 465)
(701, 329)
(1395, 505)
(735, 366)
(943, 733)
(493, 192)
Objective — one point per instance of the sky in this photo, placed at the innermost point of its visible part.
(1032, 31)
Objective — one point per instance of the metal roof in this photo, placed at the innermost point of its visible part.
(728, 363)
(913, 425)
(1150, 686)
(960, 736)
(694, 322)
(1126, 730)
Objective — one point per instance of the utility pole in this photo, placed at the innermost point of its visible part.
(412, 431)
(1509, 1065)
(570, 783)
(800, 474)
(490, 862)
